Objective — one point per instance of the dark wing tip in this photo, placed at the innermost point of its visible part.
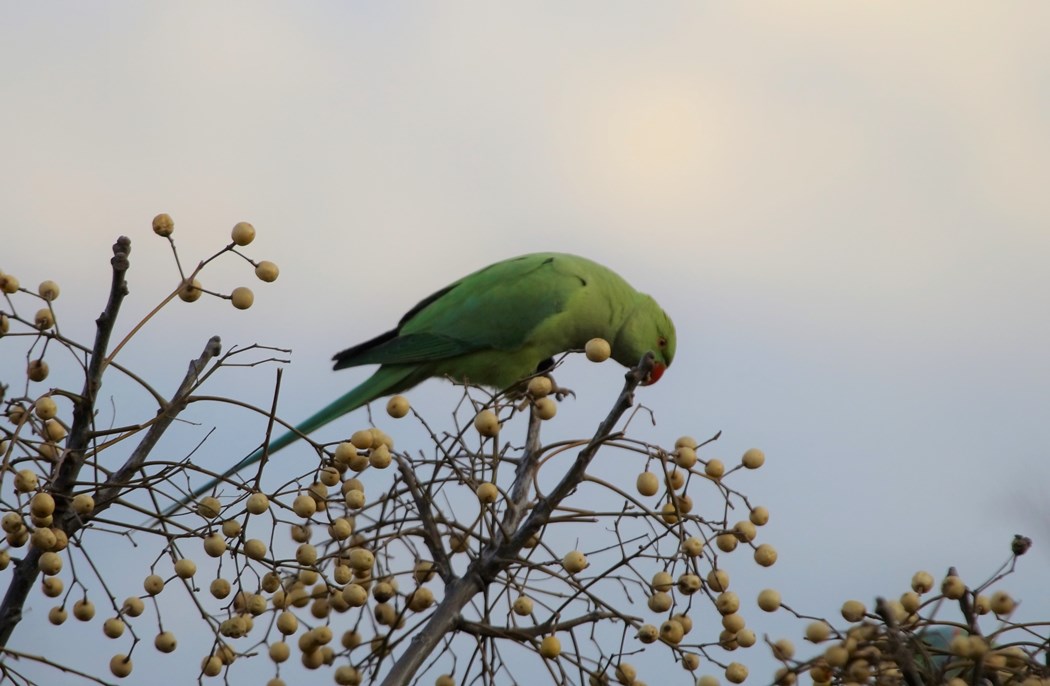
(346, 359)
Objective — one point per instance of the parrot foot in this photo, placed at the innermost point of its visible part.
(560, 392)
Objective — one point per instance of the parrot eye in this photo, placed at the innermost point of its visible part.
(662, 342)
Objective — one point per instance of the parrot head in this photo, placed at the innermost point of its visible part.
(647, 328)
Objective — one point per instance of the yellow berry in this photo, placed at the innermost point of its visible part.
(685, 457)
(48, 290)
(340, 529)
(113, 627)
(733, 623)
(692, 546)
(745, 530)
(380, 457)
(818, 631)
(287, 623)
(42, 505)
(540, 386)
(546, 408)
(211, 665)
(487, 423)
(355, 595)
(922, 582)
(267, 271)
(397, 407)
(487, 493)
(626, 673)
(420, 599)
(676, 478)
(209, 507)
(574, 562)
(727, 603)
(52, 586)
(9, 283)
(306, 554)
(765, 555)
(190, 292)
(690, 661)
(736, 673)
(672, 632)
(660, 602)
(753, 458)
(57, 615)
(648, 483)
(953, 587)
(715, 469)
(361, 559)
(727, 543)
(662, 581)
(120, 665)
(153, 584)
(783, 649)
(598, 350)
(354, 499)
(523, 606)
(84, 610)
(347, 675)
(185, 568)
(165, 642)
(304, 505)
(257, 503)
(243, 233)
(689, 584)
(53, 430)
(550, 647)
(362, 440)
(44, 318)
(45, 407)
(1001, 603)
(759, 516)
(242, 297)
(133, 606)
(49, 563)
(83, 503)
(37, 370)
(686, 441)
(648, 633)
(163, 225)
(255, 549)
(220, 588)
(769, 600)
(214, 545)
(25, 482)
(685, 620)
(853, 610)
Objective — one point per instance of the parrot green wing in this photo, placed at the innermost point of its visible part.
(495, 308)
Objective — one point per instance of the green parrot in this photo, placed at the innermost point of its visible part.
(496, 327)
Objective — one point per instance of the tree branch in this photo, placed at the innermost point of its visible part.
(504, 547)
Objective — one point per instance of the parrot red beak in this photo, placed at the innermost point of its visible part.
(658, 370)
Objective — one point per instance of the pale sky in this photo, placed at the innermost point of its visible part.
(843, 206)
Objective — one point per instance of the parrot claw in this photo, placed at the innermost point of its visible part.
(560, 393)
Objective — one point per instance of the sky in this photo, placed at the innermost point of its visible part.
(841, 205)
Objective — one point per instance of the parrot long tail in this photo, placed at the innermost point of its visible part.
(385, 381)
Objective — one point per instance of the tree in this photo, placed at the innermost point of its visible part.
(452, 562)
